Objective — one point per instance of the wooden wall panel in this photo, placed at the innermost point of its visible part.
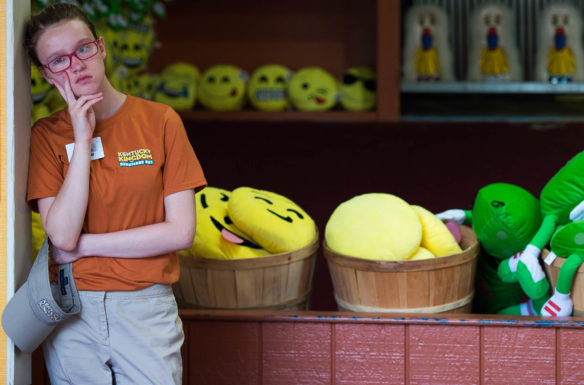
(512, 355)
(445, 355)
(224, 353)
(369, 354)
(296, 353)
(570, 356)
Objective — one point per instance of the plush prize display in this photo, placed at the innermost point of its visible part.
(358, 89)
(427, 54)
(561, 202)
(505, 217)
(217, 237)
(177, 86)
(273, 221)
(222, 88)
(42, 92)
(267, 88)
(560, 55)
(567, 242)
(141, 85)
(493, 53)
(384, 227)
(313, 89)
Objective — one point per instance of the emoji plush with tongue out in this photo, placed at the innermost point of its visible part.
(313, 89)
(217, 237)
(222, 88)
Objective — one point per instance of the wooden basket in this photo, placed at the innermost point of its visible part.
(577, 292)
(439, 285)
(279, 281)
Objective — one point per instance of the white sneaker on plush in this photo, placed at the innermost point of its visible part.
(559, 305)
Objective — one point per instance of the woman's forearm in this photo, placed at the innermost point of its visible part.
(64, 214)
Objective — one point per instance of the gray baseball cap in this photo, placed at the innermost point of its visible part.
(39, 305)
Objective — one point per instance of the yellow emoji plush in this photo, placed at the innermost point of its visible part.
(132, 50)
(177, 85)
(38, 234)
(313, 89)
(216, 236)
(42, 92)
(267, 88)
(358, 89)
(222, 88)
(141, 85)
(271, 220)
(422, 253)
(435, 235)
(374, 226)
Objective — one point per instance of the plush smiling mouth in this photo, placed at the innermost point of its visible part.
(39, 97)
(132, 62)
(230, 236)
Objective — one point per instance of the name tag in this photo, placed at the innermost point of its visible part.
(96, 149)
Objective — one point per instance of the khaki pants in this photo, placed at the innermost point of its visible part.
(129, 337)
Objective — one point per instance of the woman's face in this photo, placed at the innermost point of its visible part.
(85, 76)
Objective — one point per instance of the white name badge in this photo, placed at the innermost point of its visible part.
(96, 149)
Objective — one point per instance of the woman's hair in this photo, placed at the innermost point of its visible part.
(53, 14)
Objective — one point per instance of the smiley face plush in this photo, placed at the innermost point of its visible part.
(313, 89)
(41, 92)
(141, 85)
(222, 88)
(272, 220)
(375, 226)
(267, 87)
(176, 90)
(132, 50)
(217, 237)
(358, 89)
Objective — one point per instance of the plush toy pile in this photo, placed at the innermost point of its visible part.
(248, 223)
(384, 227)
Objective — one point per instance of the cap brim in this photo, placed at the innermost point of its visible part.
(21, 324)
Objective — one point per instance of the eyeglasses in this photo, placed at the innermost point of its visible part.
(83, 52)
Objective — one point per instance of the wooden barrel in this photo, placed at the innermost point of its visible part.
(577, 293)
(279, 281)
(439, 285)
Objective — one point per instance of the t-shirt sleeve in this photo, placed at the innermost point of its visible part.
(182, 170)
(45, 170)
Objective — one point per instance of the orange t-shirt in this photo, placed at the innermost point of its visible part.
(147, 156)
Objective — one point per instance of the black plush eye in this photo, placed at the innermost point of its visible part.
(263, 79)
(265, 200)
(33, 82)
(228, 221)
(296, 212)
(370, 85)
(280, 79)
(211, 79)
(349, 79)
(225, 79)
(224, 197)
(204, 201)
(137, 47)
(305, 86)
(497, 204)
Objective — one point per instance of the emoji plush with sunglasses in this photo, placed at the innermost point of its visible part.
(222, 88)
(313, 89)
(358, 89)
(267, 88)
(217, 237)
(271, 220)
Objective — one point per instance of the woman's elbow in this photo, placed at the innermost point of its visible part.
(186, 237)
(64, 242)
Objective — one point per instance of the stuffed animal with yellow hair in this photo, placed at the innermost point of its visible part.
(271, 220)
(384, 227)
(216, 236)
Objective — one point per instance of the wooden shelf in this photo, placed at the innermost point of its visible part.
(332, 34)
(295, 116)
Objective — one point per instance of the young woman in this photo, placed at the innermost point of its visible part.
(112, 177)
